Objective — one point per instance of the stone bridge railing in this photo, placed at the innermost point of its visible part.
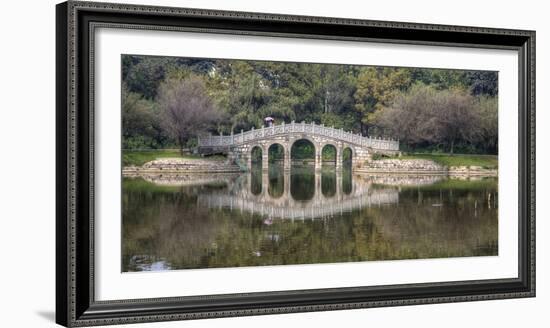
(306, 128)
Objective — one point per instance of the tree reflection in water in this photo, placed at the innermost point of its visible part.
(276, 180)
(302, 182)
(300, 217)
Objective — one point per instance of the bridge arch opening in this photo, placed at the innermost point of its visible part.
(302, 183)
(256, 180)
(328, 155)
(256, 155)
(347, 157)
(302, 176)
(347, 181)
(328, 183)
(276, 180)
(276, 153)
(302, 152)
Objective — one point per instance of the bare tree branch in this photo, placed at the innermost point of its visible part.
(186, 109)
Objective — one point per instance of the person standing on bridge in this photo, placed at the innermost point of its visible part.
(269, 121)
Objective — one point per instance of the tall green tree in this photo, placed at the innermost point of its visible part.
(483, 83)
(376, 88)
(141, 127)
(245, 93)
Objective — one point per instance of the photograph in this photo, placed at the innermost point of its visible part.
(246, 163)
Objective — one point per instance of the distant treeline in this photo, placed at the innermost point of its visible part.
(168, 101)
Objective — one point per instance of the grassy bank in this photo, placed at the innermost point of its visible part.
(138, 158)
(484, 161)
(489, 183)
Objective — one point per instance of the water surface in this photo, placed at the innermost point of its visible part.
(303, 217)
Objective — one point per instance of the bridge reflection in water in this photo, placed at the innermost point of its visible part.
(301, 216)
(301, 193)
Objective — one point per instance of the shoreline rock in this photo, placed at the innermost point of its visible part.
(182, 165)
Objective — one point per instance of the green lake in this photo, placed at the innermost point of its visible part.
(301, 216)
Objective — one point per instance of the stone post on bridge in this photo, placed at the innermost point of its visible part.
(265, 183)
(265, 159)
(286, 186)
(318, 188)
(339, 186)
(318, 159)
(286, 158)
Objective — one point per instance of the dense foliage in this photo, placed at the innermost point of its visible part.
(168, 101)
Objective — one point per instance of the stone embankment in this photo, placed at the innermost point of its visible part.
(422, 166)
(182, 165)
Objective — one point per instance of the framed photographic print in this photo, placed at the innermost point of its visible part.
(214, 163)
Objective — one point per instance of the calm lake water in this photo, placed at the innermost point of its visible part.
(302, 217)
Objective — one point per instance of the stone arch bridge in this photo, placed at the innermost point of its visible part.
(239, 146)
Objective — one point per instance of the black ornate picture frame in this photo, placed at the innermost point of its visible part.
(75, 279)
